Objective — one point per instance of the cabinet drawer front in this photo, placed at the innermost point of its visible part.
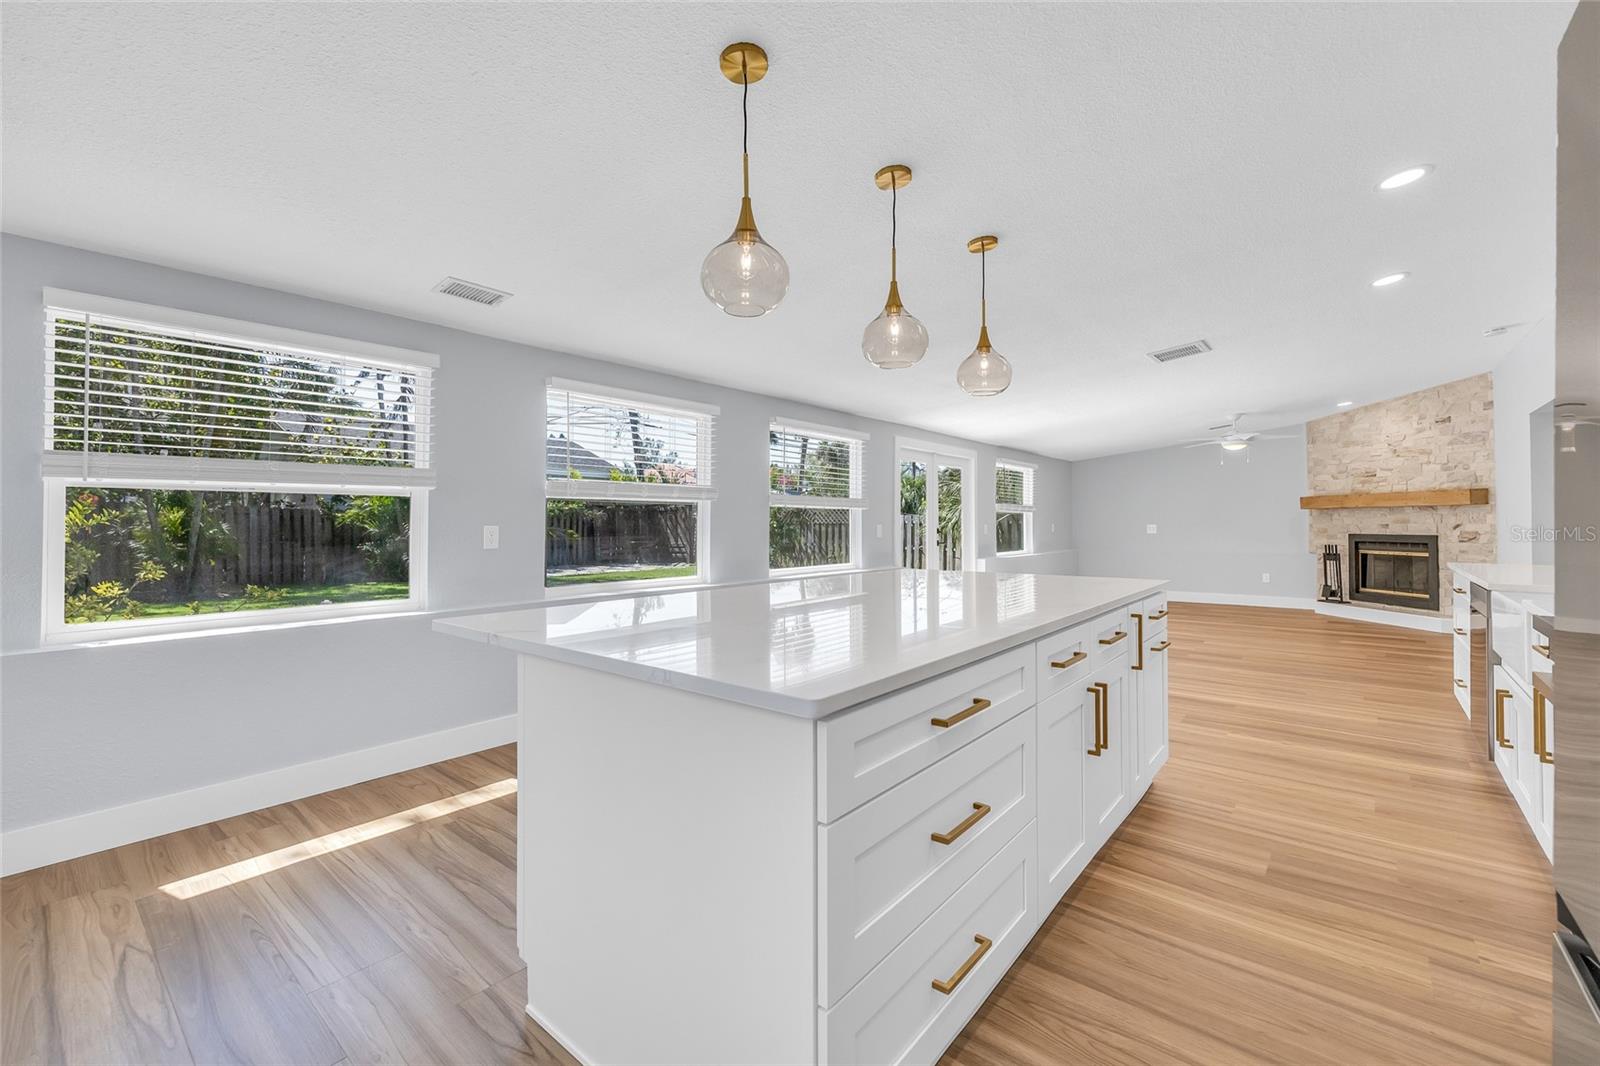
(1510, 636)
(871, 748)
(1106, 643)
(881, 872)
(896, 1015)
(1066, 658)
(1461, 672)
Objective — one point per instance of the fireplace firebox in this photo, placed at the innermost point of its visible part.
(1395, 569)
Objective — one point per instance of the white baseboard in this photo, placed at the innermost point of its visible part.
(85, 834)
(1424, 622)
(1292, 603)
(557, 1035)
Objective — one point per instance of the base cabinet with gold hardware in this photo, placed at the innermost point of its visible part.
(1149, 716)
(813, 832)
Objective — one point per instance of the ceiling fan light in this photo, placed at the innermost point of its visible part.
(1235, 445)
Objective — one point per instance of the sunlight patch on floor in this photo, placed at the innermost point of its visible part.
(211, 880)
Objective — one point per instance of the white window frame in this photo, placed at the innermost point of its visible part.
(855, 503)
(702, 494)
(63, 469)
(1031, 475)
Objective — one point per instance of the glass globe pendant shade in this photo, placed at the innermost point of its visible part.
(895, 339)
(744, 275)
(985, 372)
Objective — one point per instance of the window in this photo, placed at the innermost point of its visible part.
(204, 471)
(627, 479)
(1013, 507)
(815, 517)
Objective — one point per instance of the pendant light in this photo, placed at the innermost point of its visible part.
(985, 372)
(744, 275)
(895, 339)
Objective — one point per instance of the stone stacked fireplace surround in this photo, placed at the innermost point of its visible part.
(1439, 438)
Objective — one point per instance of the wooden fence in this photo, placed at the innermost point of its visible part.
(913, 545)
(272, 545)
(662, 535)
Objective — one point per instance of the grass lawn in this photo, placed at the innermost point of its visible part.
(356, 592)
(653, 573)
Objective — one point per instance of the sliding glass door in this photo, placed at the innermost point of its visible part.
(935, 509)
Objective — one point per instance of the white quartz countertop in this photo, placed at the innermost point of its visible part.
(1509, 577)
(808, 646)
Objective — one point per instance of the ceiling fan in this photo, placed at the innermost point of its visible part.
(1233, 440)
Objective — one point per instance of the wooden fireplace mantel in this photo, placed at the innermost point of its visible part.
(1424, 498)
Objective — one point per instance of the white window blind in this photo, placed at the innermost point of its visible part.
(814, 468)
(1013, 487)
(604, 444)
(139, 397)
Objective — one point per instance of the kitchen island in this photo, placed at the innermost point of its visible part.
(814, 820)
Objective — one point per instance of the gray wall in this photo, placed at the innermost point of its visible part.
(84, 729)
(1219, 527)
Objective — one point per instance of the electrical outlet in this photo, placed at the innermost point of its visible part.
(1052, 527)
(1151, 528)
(1266, 579)
(491, 538)
(880, 530)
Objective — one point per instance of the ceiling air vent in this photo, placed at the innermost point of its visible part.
(1181, 351)
(468, 290)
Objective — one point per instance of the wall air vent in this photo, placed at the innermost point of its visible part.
(1181, 351)
(468, 290)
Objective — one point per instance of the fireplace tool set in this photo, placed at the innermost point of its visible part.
(1332, 575)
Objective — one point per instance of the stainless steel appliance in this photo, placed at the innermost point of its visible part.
(1575, 726)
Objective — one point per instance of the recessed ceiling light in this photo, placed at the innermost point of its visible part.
(1344, 403)
(1405, 177)
(1391, 279)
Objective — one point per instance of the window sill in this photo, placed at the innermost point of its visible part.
(791, 572)
(102, 638)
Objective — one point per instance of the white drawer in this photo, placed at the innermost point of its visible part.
(1460, 613)
(1065, 658)
(896, 1014)
(1154, 612)
(1113, 637)
(881, 871)
(874, 746)
(1461, 673)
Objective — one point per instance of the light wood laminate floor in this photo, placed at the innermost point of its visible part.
(1326, 871)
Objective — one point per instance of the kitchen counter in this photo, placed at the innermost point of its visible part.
(815, 819)
(811, 646)
(1509, 577)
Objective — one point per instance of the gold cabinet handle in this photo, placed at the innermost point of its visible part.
(1460, 632)
(1105, 715)
(1159, 615)
(1163, 646)
(948, 986)
(1139, 641)
(1544, 649)
(1458, 592)
(1094, 690)
(979, 812)
(1460, 683)
(978, 704)
(1118, 635)
(1072, 660)
(1500, 697)
(1541, 730)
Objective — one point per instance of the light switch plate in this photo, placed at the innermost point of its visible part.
(1151, 528)
(491, 538)
(1266, 579)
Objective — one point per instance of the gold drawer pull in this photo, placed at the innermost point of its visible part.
(1102, 696)
(1113, 638)
(978, 704)
(1163, 646)
(1072, 660)
(949, 986)
(1458, 592)
(1460, 683)
(1541, 730)
(979, 812)
(1500, 697)
(1138, 642)
(1544, 649)
(1159, 615)
(1460, 632)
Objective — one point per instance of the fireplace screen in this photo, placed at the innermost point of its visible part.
(1394, 569)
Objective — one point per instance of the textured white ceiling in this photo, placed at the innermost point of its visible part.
(1156, 173)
